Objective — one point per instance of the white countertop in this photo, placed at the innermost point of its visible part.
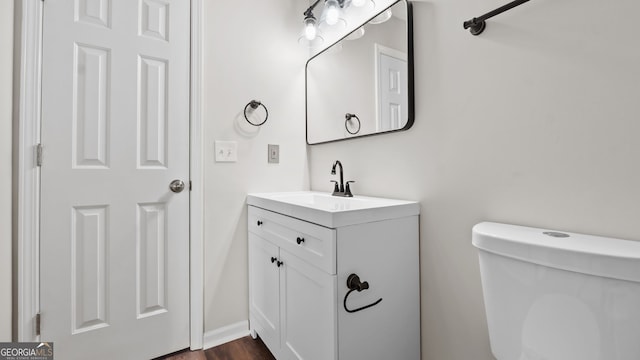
(333, 211)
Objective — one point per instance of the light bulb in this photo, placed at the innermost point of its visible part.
(310, 30)
(333, 12)
(358, 3)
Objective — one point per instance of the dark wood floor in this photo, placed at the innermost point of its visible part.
(242, 349)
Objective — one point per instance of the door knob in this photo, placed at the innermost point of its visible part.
(176, 186)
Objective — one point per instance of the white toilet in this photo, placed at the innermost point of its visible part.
(559, 296)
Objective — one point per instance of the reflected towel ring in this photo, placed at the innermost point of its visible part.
(348, 117)
(254, 104)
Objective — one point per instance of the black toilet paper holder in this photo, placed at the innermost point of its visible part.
(354, 284)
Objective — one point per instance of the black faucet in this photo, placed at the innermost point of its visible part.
(339, 189)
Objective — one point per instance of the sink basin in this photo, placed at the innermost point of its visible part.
(333, 211)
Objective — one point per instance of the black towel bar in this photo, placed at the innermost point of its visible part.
(476, 25)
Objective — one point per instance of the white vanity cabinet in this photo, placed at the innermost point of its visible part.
(298, 269)
(291, 302)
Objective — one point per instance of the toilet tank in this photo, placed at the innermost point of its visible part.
(557, 295)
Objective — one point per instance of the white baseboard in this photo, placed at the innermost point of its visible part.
(225, 334)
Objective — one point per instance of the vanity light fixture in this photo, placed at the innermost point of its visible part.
(331, 16)
(310, 22)
(310, 27)
(332, 11)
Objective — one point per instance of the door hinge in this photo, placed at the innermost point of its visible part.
(37, 321)
(189, 185)
(39, 155)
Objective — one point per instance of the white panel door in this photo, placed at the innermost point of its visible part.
(392, 92)
(114, 251)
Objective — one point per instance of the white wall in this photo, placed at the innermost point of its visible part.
(534, 122)
(6, 73)
(251, 52)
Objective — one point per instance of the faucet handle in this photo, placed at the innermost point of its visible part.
(347, 189)
(336, 189)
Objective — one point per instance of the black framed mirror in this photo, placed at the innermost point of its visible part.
(362, 85)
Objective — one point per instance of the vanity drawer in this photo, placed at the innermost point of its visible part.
(313, 243)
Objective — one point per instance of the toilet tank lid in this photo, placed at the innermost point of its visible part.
(589, 254)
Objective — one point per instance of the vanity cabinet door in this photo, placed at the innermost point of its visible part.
(309, 314)
(264, 291)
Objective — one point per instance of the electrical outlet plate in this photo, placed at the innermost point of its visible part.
(226, 151)
(274, 154)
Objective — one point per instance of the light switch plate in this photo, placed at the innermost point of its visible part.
(226, 151)
(274, 154)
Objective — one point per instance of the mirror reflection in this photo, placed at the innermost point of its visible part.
(362, 84)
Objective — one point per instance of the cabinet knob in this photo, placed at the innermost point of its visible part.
(279, 263)
(273, 259)
(259, 222)
(299, 240)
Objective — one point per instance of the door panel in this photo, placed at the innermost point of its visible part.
(89, 260)
(90, 141)
(114, 251)
(151, 259)
(96, 12)
(309, 314)
(152, 93)
(154, 19)
(264, 291)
